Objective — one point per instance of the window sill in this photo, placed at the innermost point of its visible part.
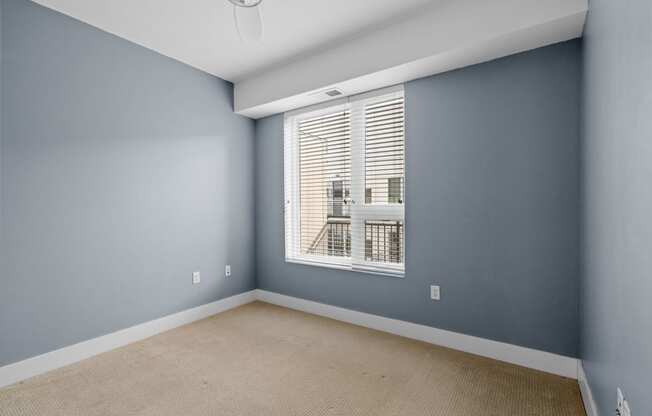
(348, 267)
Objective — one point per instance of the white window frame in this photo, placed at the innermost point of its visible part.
(360, 210)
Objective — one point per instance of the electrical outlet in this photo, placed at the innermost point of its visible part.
(227, 270)
(196, 278)
(435, 293)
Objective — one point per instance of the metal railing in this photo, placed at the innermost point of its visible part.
(383, 240)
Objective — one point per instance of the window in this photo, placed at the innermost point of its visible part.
(367, 196)
(344, 183)
(394, 187)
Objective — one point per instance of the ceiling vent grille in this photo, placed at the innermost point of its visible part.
(333, 93)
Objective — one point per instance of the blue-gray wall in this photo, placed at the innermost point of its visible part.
(492, 210)
(123, 172)
(1, 127)
(617, 194)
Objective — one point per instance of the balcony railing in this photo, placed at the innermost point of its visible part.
(383, 240)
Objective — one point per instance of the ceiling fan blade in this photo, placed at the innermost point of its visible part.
(249, 23)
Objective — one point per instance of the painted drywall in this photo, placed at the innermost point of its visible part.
(617, 201)
(492, 212)
(123, 172)
(1, 126)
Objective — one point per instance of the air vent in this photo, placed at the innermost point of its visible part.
(333, 93)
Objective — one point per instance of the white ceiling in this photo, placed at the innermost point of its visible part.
(311, 45)
(201, 33)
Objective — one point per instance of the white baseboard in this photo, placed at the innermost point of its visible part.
(526, 357)
(587, 395)
(40, 364)
(539, 360)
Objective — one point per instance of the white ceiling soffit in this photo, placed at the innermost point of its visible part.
(445, 35)
(202, 33)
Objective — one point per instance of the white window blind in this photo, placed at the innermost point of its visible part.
(344, 183)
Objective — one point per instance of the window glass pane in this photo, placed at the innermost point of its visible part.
(384, 152)
(325, 184)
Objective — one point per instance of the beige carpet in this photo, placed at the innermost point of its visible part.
(261, 359)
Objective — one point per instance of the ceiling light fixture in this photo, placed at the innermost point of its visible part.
(247, 18)
(246, 3)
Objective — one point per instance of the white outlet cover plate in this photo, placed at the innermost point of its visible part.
(196, 278)
(227, 270)
(435, 293)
